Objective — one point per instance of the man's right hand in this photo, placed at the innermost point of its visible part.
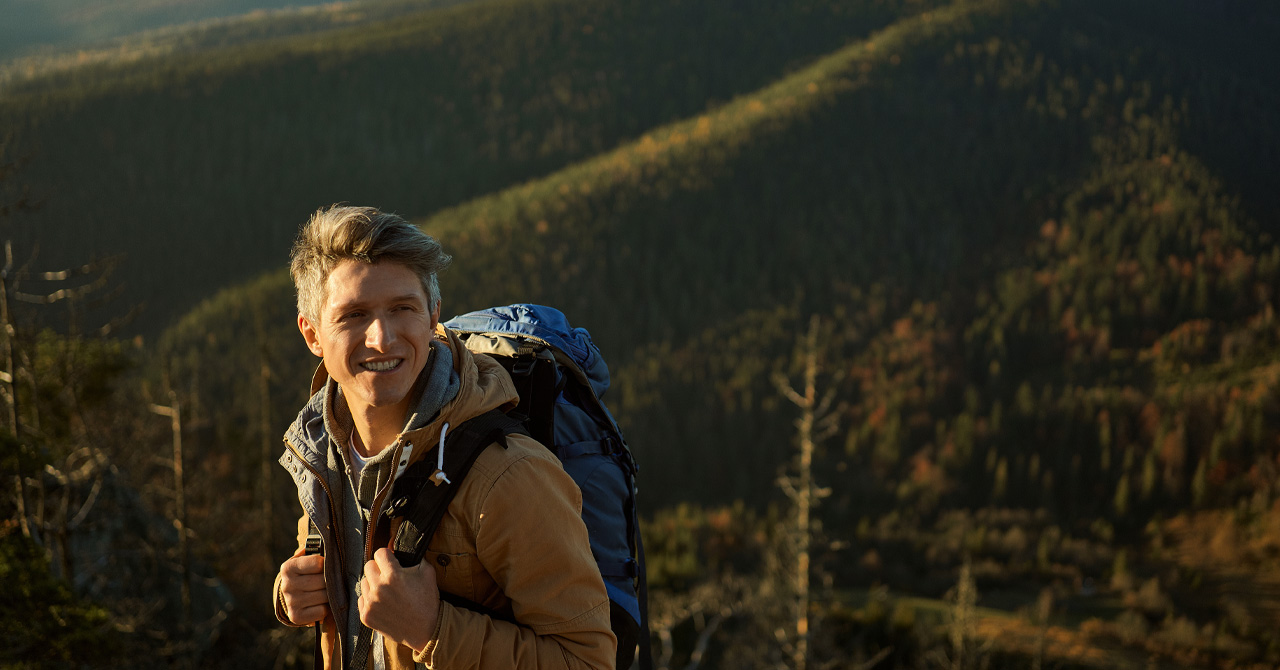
(302, 588)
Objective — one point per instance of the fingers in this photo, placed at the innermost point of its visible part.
(304, 565)
(398, 602)
(302, 588)
(385, 559)
(305, 598)
(374, 571)
(306, 607)
(378, 575)
(302, 573)
(307, 615)
(384, 570)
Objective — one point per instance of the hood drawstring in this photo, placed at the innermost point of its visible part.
(439, 477)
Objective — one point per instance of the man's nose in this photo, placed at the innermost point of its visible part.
(379, 334)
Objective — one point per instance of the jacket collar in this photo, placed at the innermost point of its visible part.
(484, 386)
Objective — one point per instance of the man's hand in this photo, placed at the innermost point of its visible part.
(302, 588)
(401, 603)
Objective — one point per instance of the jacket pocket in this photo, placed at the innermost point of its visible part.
(455, 573)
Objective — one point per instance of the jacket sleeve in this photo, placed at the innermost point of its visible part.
(531, 538)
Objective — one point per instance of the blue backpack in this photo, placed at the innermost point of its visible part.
(561, 377)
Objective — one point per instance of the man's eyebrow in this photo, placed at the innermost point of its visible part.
(361, 304)
(347, 306)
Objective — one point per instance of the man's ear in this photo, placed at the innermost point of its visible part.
(435, 316)
(310, 335)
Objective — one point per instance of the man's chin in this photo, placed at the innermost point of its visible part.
(384, 396)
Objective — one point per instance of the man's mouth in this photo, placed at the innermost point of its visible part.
(382, 366)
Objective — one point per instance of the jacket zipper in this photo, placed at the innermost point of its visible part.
(375, 509)
(337, 649)
(328, 494)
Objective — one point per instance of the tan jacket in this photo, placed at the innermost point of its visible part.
(512, 541)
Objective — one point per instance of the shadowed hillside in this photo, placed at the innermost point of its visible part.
(202, 152)
(921, 161)
(34, 24)
(1038, 238)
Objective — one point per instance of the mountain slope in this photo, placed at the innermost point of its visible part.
(73, 37)
(179, 160)
(76, 22)
(894, 185)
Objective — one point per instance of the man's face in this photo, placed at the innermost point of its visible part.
(375, 332)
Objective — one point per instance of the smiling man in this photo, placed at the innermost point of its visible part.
(511, 541)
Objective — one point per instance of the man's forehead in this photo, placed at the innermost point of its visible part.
(355, 283)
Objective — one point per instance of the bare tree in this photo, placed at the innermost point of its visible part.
(268, 441)
(174, 412)
(962, 619)
(49, 524)
(706, 606)
(816, 424)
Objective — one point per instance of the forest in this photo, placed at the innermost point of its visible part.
(944, 332)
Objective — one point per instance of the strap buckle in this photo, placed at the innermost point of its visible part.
(522, 364)
(315, 545)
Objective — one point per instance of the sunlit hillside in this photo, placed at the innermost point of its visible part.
(919, 163)
(41, 64)
(191, 155)
(32, 25)
(1035, 243)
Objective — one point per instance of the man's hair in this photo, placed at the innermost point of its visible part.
(335, 234)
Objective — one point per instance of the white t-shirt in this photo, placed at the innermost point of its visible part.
(357, 461)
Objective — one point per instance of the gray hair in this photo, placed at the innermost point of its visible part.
(335, 234)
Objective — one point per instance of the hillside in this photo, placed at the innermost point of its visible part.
(1040, 239)
(181, 158)
(60, 24)
(909, 171)
(51, 38)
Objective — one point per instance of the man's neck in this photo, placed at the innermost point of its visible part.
(376, 428)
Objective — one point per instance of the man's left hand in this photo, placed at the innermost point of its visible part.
(401, 603)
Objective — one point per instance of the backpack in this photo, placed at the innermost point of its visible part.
(561, 376)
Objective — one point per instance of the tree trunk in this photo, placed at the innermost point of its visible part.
(174, 412)
(804, 497)
(268, 513)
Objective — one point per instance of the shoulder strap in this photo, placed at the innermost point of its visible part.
(646, 639)
(422, 498)
(315, 545)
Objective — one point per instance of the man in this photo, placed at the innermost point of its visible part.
(391, 382)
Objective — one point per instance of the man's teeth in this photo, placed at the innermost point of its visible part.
(381, 366)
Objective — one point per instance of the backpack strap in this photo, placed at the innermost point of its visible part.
(646, 639)
(315, 545)
(535, 381)
(421, 497)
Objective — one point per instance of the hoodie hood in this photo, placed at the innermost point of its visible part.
(482, 385)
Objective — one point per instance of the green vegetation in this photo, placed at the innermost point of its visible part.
(185, 155)
(244, 30)
(53, 24)
(43, 624)
(1040, 237)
